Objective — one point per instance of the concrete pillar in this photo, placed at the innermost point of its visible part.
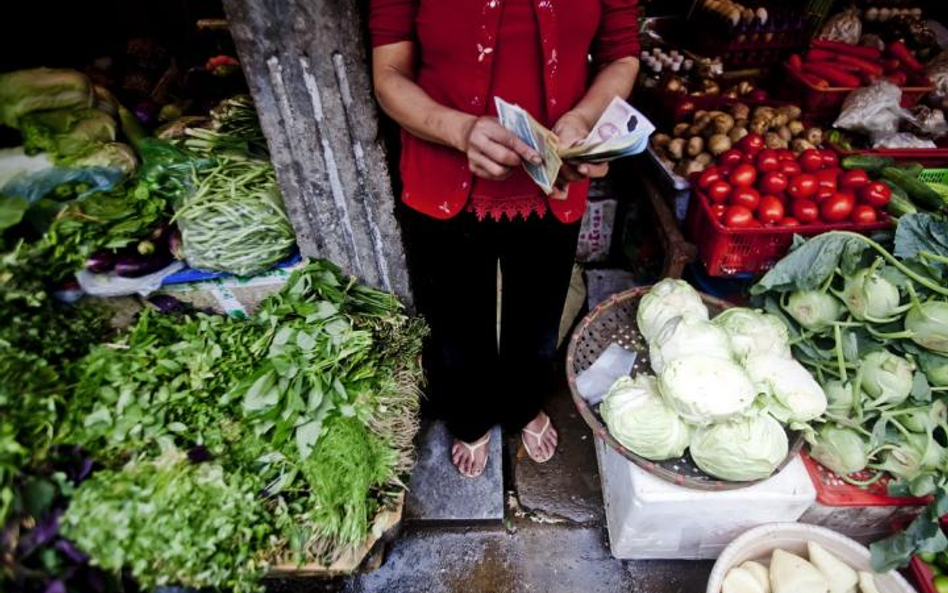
(306, 65)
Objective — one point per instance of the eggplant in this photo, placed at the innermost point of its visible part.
(100, 262)
(175, 246)
(168, 304)
(133, 265)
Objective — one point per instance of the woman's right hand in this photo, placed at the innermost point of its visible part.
(492, 150)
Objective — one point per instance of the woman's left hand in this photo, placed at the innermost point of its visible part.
(572, 129)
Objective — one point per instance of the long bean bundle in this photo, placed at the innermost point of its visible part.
(235, 221)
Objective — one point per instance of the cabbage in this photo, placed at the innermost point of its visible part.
(667, 299)
(683, 336)
(748, 448)
(40, 89)
(639, 418)
(705, 389)
(754, 332)
(813, 309)
(67, 132)
(870, 297)
(793, 394)
(839, 398)
(843, 450)
(886, 378)
(928, 324)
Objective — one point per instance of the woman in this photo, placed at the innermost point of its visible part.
(437, 66)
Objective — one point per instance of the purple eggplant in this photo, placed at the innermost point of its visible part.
(133, 265)
(175, 246)
(100, 262)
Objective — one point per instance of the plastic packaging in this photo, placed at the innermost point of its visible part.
(902, 140)
(874, 110)
(844, 27)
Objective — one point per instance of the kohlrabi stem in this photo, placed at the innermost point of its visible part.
(840, 358)
(902, 335)
(863, 483)
(926, 282)
(933, 257)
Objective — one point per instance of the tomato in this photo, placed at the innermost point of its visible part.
(790, 168)
(767, 160)
(752, 143)
(864, 214)
(802, 186)
(709, 176)
(745, 196)
(754, 224)
(805, 210)
(876, 194)
(731, 158)
(718, 211)
(738, 217)
(719, 191)
(770, 209)
(743, 175)
(853, 179)
(830, 160)
(788, 221)
(826, 179)
(822, 195)
(785, 154)
(810, 160)
(838, 207)
(773, 182)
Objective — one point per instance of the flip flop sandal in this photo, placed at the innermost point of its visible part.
(472, 449)
(539, 437)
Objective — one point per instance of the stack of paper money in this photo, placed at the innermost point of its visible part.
(621, 131)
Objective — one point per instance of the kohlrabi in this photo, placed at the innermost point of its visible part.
(839, 398)
(928, 325)
(814, 310)
(886, 378)
(870, 297)
(843, 450)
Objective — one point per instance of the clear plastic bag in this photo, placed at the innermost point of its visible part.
(874, 110)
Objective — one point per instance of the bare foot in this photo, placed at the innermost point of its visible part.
(470, 458)
(540, 438)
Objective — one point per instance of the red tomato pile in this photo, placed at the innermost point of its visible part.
(752, 187)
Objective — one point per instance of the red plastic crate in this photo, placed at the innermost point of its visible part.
(727, 252)
(824, 103)
(832, 491)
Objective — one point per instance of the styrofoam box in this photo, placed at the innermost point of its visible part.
(650, 518)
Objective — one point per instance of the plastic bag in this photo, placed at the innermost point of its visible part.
(937, 71)
(874, 110)
(844, 27)
(902, 140)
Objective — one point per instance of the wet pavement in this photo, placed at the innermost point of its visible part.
(553, 538)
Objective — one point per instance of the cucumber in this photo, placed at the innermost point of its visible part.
(913, 169)
(917, 190)
(871, 164)
(899, 204)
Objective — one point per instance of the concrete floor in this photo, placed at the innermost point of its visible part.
(553, 539)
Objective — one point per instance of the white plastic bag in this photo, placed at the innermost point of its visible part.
(874, 110)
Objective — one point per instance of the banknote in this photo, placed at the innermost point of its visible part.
(518, 121)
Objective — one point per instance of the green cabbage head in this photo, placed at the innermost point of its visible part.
(666, 300)
(705, 389)
(639, 418)
(928, 324)
(886, 378)
(683, 336)
(793, 394)
(843, 450)
(748, 448)
(754, 332)
(814, 310)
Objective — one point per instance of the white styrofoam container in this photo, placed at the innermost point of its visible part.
(759, 543)
(650, 518)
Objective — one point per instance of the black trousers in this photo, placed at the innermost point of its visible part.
(472, 383)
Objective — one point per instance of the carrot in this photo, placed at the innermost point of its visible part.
(897, 50)
(833, 74)
(814, 80)
(820, 55)
(860, 51)
(866, 66)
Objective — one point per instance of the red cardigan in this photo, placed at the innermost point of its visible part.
(455, 47)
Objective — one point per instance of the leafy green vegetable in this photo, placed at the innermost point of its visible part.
(39, 89)
(66, 132)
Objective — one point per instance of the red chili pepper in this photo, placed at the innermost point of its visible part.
(820, 55)
(899, 51)
(863, 65)
(833, 74)
(860, 51)
(795, 62)
(814, 80)
(891, 65)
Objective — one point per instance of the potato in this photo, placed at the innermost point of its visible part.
(661, 140)
(722, 123)
(773, 140)
(799, 145)
(796, 127)
(718, 144)
(680, 130)
(700, 113)
(740, 111)
(779, 119)
(704, 158)
(695, 146)
(676, 149)
(736, 133)
(785, 133)
(814, 136)
(760, 125)
(792, 111)
(688, 167)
